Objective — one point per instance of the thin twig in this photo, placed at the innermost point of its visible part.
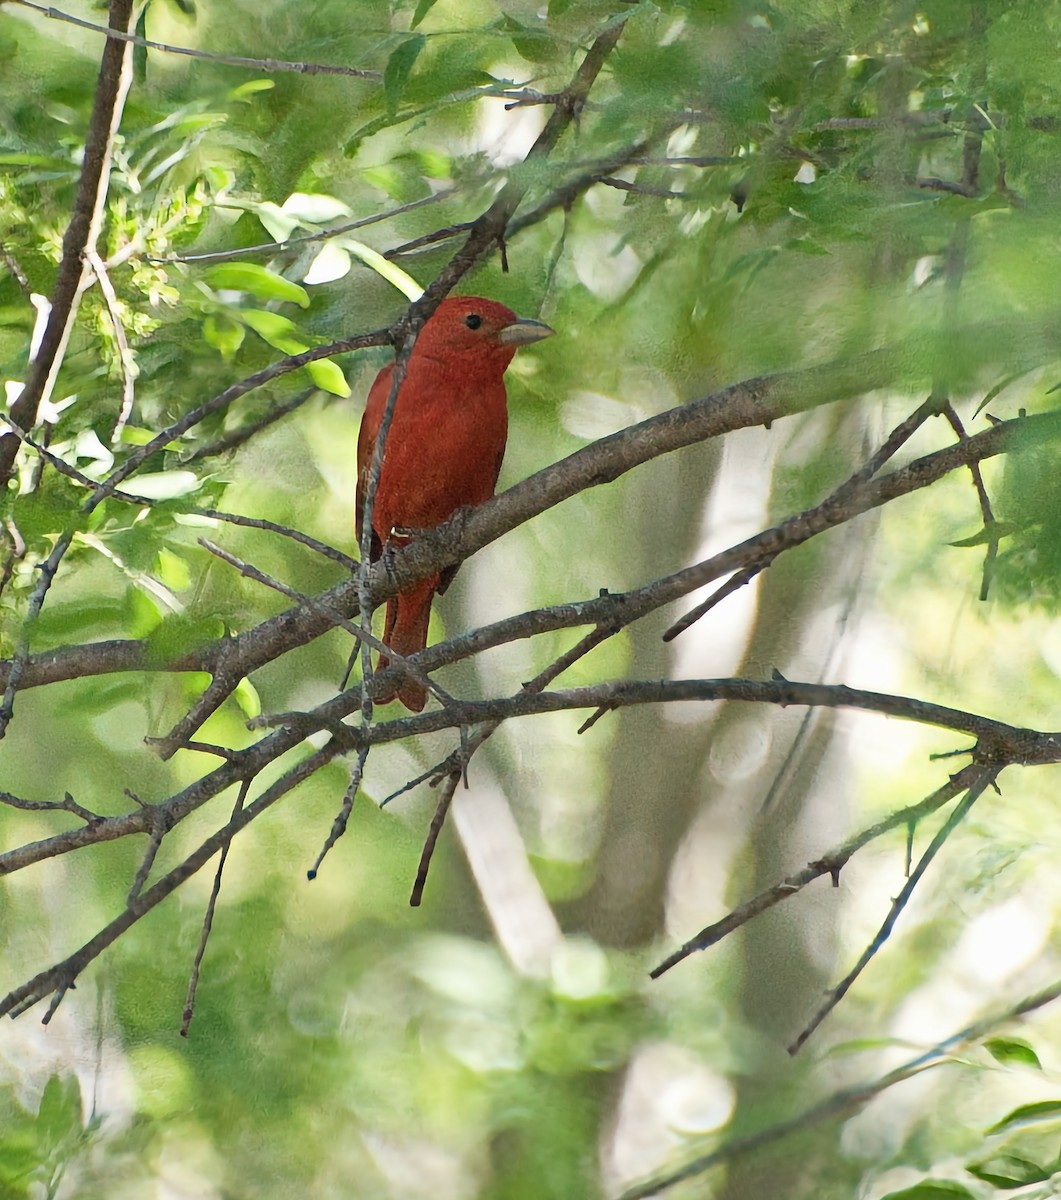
(296, 627)
(208, 919)
(159, 830)
(67, 804)
(449, 786)
(323, 236)
(249, 571)
(62, 974)
(994, 535)
(36, 601)
(841, 496)
(82, 230)
(342, 817)
(239, 437)
(296, 535)
(126, 359)
(985, 778)
(232, 60)
(830, 864)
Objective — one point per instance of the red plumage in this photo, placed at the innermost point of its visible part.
(443, 450)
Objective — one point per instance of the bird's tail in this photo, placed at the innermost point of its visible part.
(405, 631)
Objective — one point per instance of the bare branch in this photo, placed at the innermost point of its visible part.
(985, 777)
(126, 360)
(63, 974)
(830, 864)
(208, 921)
(81, 232)
(445, 798)
(342, 818)
(324, 235)
(239, 437)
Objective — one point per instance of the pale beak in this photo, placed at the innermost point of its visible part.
(523, 331)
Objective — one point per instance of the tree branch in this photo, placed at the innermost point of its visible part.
(81, 233)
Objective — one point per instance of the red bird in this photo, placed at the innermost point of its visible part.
(443, 450)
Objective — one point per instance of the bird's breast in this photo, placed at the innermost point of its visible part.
(443, 449)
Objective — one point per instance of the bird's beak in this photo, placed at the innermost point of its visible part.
(523, 331)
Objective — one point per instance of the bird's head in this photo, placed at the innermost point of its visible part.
(484, 329)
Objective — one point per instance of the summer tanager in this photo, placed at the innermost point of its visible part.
(443, 449)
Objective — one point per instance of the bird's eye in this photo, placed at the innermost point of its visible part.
(473, 320)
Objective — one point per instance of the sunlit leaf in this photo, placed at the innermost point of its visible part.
(1012, 1050)
(278, 331)
(932, 1189)
(173, 571)
(164, 485)
(280, 225)
(391, 272)
(314, 208)
(1026, 1114)
(328, 376)
(246, 696)
(223, 334)
(257, 280)
(332, 262)
(251, 88)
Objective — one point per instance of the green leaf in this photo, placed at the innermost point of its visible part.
(164, 485)
(328, 376)
(136, 435)
(860, 1045)
(278, 331)
(252, 278)
(1042, 1110)
(422, 9)
(246, 696)
(251, 88)
(399, 65)
(535, 45)
(333, 262)
(1012, 1050)
(140, 52)
(391, 272)
(932, 1189)
(179, 634)
(1010, 1171)
(557, 8)
(314, 208)
(173, 570)
(53, 507)
(60, 1115)
(278, 224)
(224, 334)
